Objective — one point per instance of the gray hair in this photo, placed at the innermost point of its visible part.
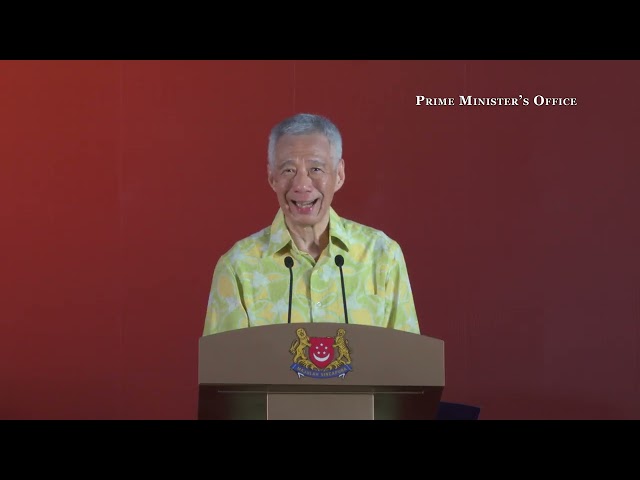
(306, 124)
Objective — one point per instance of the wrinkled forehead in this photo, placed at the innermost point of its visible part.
(290, 147)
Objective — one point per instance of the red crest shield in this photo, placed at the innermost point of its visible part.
(321, 351)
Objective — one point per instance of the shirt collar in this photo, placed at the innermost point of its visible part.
(279, 236)
(337, 234)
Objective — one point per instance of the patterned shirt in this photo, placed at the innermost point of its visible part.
(250, 285)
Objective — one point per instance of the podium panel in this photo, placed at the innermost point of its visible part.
(319, 371)
(319, 406)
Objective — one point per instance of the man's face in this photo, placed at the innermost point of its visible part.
(305, 178)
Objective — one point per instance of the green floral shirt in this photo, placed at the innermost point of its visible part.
(250, 284)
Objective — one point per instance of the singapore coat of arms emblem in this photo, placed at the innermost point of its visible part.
(321, 357)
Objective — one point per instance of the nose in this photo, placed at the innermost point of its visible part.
(302, 182)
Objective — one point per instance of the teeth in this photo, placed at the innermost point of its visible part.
(304, 204)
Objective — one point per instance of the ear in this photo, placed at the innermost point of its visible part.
(341, 175)
(270, 177)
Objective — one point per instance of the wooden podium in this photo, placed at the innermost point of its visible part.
(319, 371)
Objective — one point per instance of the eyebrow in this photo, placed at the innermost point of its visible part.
(284, 164)
(313, 162)
(317, 162)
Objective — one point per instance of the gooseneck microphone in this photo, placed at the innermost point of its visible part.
(288, 262)
(339, 262)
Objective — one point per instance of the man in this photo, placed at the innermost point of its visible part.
(251, 281)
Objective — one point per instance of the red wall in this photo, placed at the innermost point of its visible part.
(123, 181)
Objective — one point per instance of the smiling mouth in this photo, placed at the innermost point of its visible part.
(304, 205)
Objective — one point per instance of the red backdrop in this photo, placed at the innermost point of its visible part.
(123, 181)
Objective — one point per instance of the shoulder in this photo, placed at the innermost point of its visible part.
(366, 234)
(252, 246)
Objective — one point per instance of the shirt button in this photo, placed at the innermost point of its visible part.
(319, 304)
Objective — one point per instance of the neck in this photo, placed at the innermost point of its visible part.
(312, 239)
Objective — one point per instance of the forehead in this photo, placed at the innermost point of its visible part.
(292, 147)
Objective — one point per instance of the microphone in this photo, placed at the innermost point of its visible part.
(339, 262)
(288, 262)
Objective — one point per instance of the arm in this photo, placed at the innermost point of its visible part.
(225, 310)
(400, 308)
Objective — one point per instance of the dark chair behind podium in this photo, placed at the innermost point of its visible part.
(457, 411)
